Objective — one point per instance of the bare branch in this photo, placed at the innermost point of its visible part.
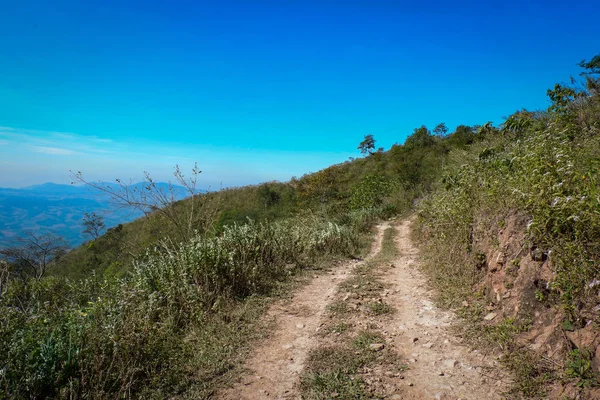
(93, 224)
(34, 255)
(149, 197)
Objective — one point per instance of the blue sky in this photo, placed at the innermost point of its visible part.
(262, 90)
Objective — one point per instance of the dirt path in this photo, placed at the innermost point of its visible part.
(439, 367)
(277, 364)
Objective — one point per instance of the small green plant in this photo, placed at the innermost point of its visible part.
(480, 260)
(532, 375)
(340, 328)
(366, 338)
(334, 384)
(539, 296)
(579, 366)
(503, 334)
(380, 308)
(338, 308)
(331, 372)
(568, 326)
(512, 268)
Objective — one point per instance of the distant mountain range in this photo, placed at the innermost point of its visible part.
(59, 209)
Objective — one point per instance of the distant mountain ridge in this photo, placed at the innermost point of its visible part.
(59, 209)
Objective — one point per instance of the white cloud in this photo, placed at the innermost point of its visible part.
(62, 135)
(56, 151)
(57, 143)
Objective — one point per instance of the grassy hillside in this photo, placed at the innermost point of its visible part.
(173, 324)
(165, 306)
(385, 182)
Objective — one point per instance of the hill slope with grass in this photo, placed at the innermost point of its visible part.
(166, 306)
(383, 183)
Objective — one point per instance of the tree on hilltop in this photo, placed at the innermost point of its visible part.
(440, 130)
(367, 146)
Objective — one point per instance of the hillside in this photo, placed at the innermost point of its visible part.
(170, 305)
(177, 303)
(384, 181)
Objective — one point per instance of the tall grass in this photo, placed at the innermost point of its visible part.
(174, 323)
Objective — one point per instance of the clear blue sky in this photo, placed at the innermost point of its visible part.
(263, 90)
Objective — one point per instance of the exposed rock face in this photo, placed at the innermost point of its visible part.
(517, 283)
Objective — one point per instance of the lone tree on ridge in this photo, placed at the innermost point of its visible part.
(367, 146)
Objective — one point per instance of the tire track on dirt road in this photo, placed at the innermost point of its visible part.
(277, 363)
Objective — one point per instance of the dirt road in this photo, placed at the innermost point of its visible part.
(439, 366)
